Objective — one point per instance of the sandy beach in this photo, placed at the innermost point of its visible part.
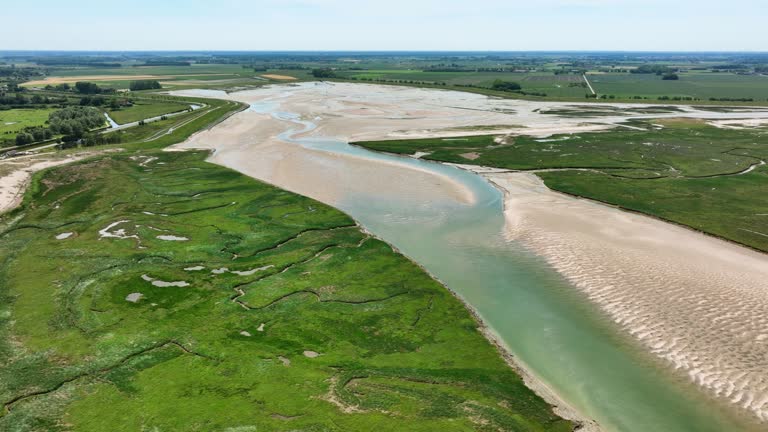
(698, 303)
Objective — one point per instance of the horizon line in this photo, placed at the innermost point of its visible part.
(650, 51)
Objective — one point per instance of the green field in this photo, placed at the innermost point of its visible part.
(687, 172)
(549, 83)
(202, 69)
(14, 120)
(144, 109)
(702, 85)
(263, 310)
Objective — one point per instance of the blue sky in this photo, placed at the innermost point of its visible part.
(503, 25)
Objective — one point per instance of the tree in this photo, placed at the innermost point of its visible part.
(652, 69)
(73, 122)
(24, 138)
(506, 86)
(323, 73)
(144, 85)
(21, 99)
(86, 87)
(670, 77)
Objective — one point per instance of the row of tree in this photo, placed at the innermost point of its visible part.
(86, 87)
(22, 100)
(507, 86)
(73, 122)
(323, 73)
(32, 135)
(91, 139)
(653, 69)
(144, 85)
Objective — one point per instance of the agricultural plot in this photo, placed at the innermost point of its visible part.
(702, 85)
(14, 121)
(120, 77)
(143, 109)
(197, 69)
(680, 170)
(549, 83)
(155, 291)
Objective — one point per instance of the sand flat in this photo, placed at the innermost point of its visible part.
(698, 302)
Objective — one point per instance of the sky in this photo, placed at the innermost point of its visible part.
(413, 25)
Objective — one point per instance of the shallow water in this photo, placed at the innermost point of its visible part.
(539, 316)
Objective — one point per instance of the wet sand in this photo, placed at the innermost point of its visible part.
(698, 303)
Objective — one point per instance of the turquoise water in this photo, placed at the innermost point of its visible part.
(540, 317)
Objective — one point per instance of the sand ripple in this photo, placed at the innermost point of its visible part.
(697, 302)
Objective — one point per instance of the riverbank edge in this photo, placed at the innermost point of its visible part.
(559, 405)
(487, 172)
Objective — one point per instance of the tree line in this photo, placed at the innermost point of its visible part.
(653, 69)
(323, 73)
(144, 85)
(73, 122)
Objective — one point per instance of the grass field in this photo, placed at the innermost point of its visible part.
(143, 109)
(536, 76)
(14, 120)
(687, 172)
(190, 297)
(702, 85)
(269, 311)
(549, 83)
(201, 69)
(213, 76)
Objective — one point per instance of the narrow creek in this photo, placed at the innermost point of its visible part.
(551, 330)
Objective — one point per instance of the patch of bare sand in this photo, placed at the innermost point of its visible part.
(248, 142)
(698, 302)
(15, 174)
(280, 77)
(740, 123)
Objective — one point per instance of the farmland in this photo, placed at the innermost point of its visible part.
(207, 75)
(137, 107)
(14, 120)
(256, 307)
(561, 86)
(143, 109)
(687, 172)
(702, 85)
(731, 78)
